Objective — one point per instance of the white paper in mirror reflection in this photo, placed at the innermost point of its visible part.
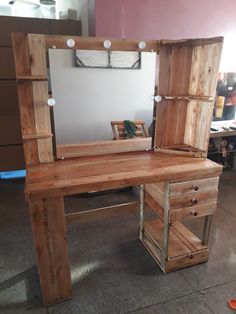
(228, 60)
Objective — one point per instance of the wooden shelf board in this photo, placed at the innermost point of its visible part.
(181, 240)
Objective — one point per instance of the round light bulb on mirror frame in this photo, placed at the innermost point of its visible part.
(158, 98)
(70, 43)
(51, 102)
(107, 44)
(141, 44)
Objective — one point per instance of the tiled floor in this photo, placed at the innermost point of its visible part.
(111, 271)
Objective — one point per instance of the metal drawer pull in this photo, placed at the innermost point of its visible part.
(194, 200)
(196, 187)
(194, 212)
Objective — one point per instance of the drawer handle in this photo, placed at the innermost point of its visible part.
(195, 213)
(196, 187)
(194, 200)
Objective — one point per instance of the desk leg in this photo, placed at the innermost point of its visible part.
(50, 241)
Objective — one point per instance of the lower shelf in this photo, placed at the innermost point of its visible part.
(185, 249)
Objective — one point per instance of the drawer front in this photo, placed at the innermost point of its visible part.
(194, 186)
(192, 212)
(192, 199)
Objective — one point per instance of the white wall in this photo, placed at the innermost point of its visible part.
(88, 99)
(81, 6)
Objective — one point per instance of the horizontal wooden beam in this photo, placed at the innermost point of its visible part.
(96, 43)
(102, 213)
(192, 42)
(103, 147)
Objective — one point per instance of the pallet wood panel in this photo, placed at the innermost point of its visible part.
(187, 70)
(49, 235)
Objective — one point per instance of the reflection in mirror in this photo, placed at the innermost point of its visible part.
(88, 99)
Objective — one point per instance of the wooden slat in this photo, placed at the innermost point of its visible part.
(103, 147)
(192, 42)
(102, 213)
(21, 54)
(152, 203)
(96, 43)
(156, 193)
(37, 52)
(48, 226)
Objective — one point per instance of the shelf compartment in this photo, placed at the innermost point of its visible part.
(185, 249)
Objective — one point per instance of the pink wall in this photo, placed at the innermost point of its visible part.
(170, 19)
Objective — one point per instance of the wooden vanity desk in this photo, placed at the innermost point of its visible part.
(176, 180)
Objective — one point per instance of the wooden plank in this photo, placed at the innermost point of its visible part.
(96, 43)
(156, 193)
(176, 247)
(103, 147)
(42, 120)
(37, 52)
(21, 54)
(193, 42)
(192, 212)
(152, 203)
(83, 174)
(50, 241)
(102, 213)
(59, 247)
(186, 261)
(179, 228)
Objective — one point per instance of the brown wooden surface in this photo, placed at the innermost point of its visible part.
(85, 174)
(50, 240)
(192, 212)
(187, 200)
(103, 147)
(96, 43)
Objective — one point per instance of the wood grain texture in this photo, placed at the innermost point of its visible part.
(103, 147)
(96, 43)
(76, 175)
(49, 235)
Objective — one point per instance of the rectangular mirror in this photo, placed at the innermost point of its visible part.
(89, 98)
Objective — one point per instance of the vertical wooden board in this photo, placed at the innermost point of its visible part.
(45, 150)
(42, 120)
(26, 103)
(43, 251)
(181, 59)
(41, 108)
(21, 54)
(165, 69)
(199, 116)
(31, 152)
(161, 121)
(59, 247)
(37, 54)
(205, 66)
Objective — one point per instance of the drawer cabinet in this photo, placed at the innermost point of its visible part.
(168, 240)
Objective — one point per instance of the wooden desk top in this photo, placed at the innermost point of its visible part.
(85, 174)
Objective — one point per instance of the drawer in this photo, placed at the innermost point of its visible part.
(194, 186)
(192, 199)
(192, 212)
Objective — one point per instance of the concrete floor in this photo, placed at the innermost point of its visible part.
(111, 271)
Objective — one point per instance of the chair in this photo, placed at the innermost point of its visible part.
(118, 128)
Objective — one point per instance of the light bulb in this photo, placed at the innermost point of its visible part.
(107, 44)
(51, 102)
(70, 43)
(158, 98)
(141, 44)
